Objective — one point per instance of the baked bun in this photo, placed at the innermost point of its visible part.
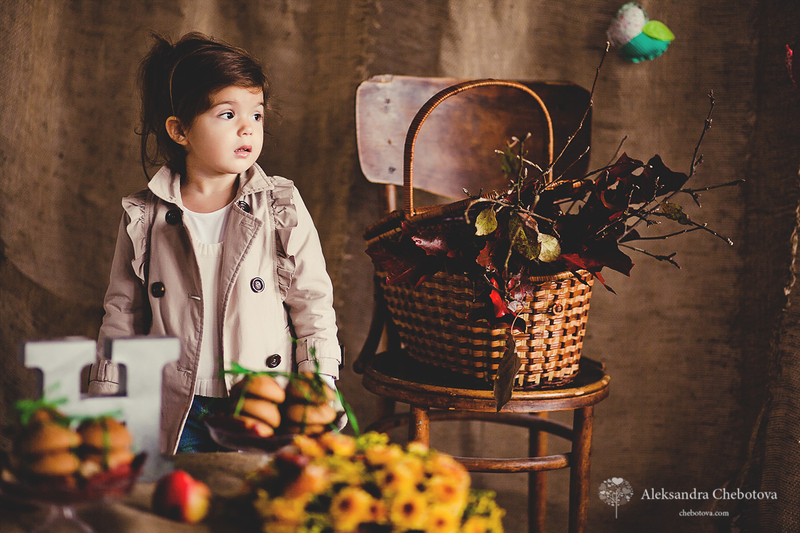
(254, 425)
(259, 386)
(47, 437)
(263, 410)
(111, 460)
(308, 388)
(311, 414)
(54, 464)
(106, 445)
(308, 429)
(105, 433)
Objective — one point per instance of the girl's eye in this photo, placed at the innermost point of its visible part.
(258, 117)
(227, 115)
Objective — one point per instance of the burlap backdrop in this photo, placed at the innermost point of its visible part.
(694, 354)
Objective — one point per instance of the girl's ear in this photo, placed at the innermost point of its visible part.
(175, 130)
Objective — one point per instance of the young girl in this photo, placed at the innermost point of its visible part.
(214, 252)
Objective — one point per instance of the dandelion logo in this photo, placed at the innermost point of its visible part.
(616, 491)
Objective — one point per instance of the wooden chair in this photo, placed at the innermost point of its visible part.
(453, 152)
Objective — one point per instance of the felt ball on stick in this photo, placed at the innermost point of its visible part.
(638, 37)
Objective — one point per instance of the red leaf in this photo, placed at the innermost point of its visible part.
(484, 258)
(432, 244)
(401, 263)
(500, 306)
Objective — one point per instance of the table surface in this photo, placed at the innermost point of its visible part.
(222, 472)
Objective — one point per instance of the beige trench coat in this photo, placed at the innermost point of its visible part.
(273, 287)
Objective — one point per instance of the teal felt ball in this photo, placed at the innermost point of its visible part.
(643, 47)
(638, 37)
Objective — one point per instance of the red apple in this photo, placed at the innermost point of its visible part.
(180, 497)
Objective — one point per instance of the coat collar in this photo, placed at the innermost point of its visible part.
(167, 184)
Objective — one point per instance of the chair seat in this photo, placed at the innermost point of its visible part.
(437, 394)
(397, 376)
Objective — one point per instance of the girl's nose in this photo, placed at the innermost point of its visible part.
(246, 128)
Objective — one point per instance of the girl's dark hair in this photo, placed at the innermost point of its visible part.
(178, 80)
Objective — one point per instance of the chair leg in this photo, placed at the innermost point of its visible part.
(419, 426)
(580, 468)
(537, 482)
(384, 407)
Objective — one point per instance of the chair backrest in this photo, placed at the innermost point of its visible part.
(456, 144)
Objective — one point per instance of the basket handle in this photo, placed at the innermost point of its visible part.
(427, 109)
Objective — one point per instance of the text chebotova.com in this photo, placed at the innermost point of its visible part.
(716, 494)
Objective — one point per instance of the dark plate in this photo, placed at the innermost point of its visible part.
(227, 435)
(113, 484)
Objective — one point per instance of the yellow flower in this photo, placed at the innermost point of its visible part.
(445, 466)
(448, 492)
(338, 444)
(417, 448)
(308, 446)
(343, 470)
(408, 511)
(279, 513)
(377, 511)
(476, 524)
(442, 520)
(413, 464)
(370, 439)
(313, 479)
(349, 508)
(402, 475)
(381, 454)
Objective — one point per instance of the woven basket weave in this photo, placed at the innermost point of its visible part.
(432, 319)
(433, 325)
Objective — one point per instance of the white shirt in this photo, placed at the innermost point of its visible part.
(207, 230)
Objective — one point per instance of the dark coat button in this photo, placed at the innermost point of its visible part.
(174, 217)
(157, 289)
(273, 360)
(257, 284)
(244, 206)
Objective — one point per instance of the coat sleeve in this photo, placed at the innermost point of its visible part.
(310, 298)
(124, 303)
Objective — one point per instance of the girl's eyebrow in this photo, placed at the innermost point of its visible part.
(233, 102)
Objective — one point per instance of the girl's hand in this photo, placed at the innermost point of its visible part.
(336, 404)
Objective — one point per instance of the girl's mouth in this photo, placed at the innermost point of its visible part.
(243, 151)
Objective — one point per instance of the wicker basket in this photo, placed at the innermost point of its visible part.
(432, 319)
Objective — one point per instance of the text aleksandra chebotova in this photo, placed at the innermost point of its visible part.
(717, 494)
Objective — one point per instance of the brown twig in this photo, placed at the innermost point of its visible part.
(583, 119)
(667, 258)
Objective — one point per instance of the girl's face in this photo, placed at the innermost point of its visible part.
(226, 139)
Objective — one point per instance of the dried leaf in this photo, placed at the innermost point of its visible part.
(401, 262)
(507, 371)
(484, 258)
(433, 244)
(520, 241)
(674, 212)
(510, 163)
(486, 222)
(549, 248)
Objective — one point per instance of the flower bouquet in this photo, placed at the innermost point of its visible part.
(337, 483)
